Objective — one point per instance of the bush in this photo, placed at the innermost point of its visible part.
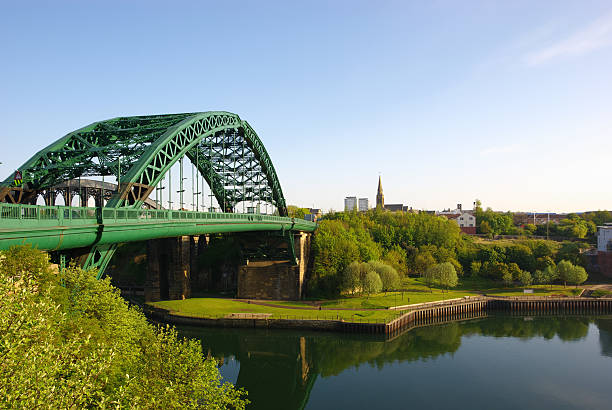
(372, 283)
(443, 275)
(475, 267)
(525, 278)
(388, 276)
(507, 278)
(81, 346)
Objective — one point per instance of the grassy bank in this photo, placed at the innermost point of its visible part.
(357, 307)
(218, 308)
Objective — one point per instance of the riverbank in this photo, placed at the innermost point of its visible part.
(392, 322)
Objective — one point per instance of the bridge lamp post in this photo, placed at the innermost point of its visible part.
(159, 198)
(170, 188)
(181, 179)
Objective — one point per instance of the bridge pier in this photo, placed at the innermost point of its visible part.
(276, 280)
(169, 268)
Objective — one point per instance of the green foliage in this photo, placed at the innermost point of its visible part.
(578, 276)
(575, 227)
(494, 223)
(551, 273)
(571, 251)
(388, 275)
(530, 229)
(372, 283)
(396, 257)
(514, 270)
(525, 278)
(475, 268)
(540, 277)
(345, 237)
(442, 274)
(81, 346)
(565, 270)
(297, 212)
(351, 278)
(423, 260)
(507, 278)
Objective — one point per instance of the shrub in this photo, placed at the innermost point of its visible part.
(372, 283)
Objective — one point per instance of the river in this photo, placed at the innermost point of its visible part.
(497, 362)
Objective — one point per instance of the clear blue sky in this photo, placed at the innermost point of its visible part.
(508, 101)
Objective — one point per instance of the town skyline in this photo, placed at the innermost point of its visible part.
(467, 205)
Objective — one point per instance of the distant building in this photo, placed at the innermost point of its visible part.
(465, 219)
(380, 198)
(316, 211)
(350, 203)
(311, 217)
(394, 207)
(537, 218)
(604, 249)
(364, 204)
(604, 238)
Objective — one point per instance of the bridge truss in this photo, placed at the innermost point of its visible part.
(139, 152)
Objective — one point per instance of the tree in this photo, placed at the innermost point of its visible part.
(578, 275)
(429, 277)
(475, 268)
(447, 275)
(540, 278)
(372, 283)
(571, 251)
(551, 274)
(396, 257)
(388, 275)
(351, 278)
(530, 229)
(423, 261)
(514, 270)
(525, 278)
(443, 275)
(485, 228)
(507, 278)
(565, 270)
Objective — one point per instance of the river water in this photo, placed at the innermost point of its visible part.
(498, 362)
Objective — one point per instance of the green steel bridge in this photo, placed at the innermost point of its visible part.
(138, 153)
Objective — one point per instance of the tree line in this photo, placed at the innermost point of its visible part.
(417, 244)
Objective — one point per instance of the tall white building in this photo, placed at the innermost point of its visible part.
(604, 238)
(350, 203)
(364, 204)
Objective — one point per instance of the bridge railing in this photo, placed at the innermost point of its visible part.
(22, 215)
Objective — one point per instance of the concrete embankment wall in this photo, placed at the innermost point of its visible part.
(419, 315)
(162, 315)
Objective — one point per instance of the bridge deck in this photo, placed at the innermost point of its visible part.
(61, 227)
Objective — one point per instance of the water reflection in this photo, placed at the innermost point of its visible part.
(279, 368)
(605, 335)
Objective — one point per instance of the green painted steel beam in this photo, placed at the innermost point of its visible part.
(61, 228)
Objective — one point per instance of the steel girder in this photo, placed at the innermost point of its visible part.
(228, 152)
(140, 150)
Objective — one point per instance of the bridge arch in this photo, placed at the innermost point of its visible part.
(140, 150)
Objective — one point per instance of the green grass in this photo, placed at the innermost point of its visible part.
(417, 292)
(217, 308)
(598, 293)
(360, 307)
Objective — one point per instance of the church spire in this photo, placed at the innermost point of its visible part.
(380, 198)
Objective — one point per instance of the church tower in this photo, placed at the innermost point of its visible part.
(380, 198)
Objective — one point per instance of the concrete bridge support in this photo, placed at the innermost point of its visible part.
(169, 263)
(276, 280)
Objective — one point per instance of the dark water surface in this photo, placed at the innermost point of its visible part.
(499, 362)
